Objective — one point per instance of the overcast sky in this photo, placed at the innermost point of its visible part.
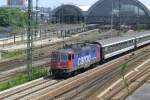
(84, 4)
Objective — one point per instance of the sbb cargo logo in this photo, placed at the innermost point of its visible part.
(85, 59)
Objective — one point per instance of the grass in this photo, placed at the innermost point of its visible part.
(141, 29)
(22, 78)
(125, 81)
(13, 54)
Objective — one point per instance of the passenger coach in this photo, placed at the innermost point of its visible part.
(142, 38)
(115, 46)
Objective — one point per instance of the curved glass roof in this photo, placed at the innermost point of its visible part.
(131, 10)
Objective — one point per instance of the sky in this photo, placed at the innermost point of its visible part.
(84, 4)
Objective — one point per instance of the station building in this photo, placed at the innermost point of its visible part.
(118, 12)
(67, 14)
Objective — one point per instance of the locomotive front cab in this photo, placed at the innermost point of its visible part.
(61, 63)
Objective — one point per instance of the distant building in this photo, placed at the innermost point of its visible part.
(67, 14)
(118, 12)
(43, 14)
(16, 2)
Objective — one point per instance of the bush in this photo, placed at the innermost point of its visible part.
(23, 78)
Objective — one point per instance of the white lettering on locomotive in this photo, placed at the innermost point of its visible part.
(85, 59)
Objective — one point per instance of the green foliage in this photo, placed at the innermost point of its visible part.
(141, 29)
(4, 19)
(13, 54)
(125, 81)
(124, 66)
(23, 78)
(12, 17)
(38, 72)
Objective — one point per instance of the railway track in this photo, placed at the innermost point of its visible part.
(27, 89)
(68, 88)
(38, 57)
(9, 75)
(85, 91)
(81, 85)
(119, 91)
(138, 78)
(102, 88)
(6, 78)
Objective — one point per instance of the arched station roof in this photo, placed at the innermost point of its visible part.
(100, 2)
(70, 9)
(68, 13)
(102, 10)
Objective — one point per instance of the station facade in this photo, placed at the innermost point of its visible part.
(105, 12)
(67, 14)
(118, 12)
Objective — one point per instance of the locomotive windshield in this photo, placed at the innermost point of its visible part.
(59, 57)
(55, 56)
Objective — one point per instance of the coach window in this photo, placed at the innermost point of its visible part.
(130, 43)
(121, 46)
(124, 44)
(127, 43)
(108, 49)
(118, 47)
(112, 48)
(115, 47)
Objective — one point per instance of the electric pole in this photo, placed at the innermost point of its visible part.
(119, 15)
(29, 38)
(112, 18)
(36, 26)
(37, 11)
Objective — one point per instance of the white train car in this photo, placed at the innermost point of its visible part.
(115, 46)
(142, 38)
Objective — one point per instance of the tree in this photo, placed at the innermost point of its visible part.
(12, 17)
(4, 18)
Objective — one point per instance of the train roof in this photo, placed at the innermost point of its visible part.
(139, 34)
(114, 40)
